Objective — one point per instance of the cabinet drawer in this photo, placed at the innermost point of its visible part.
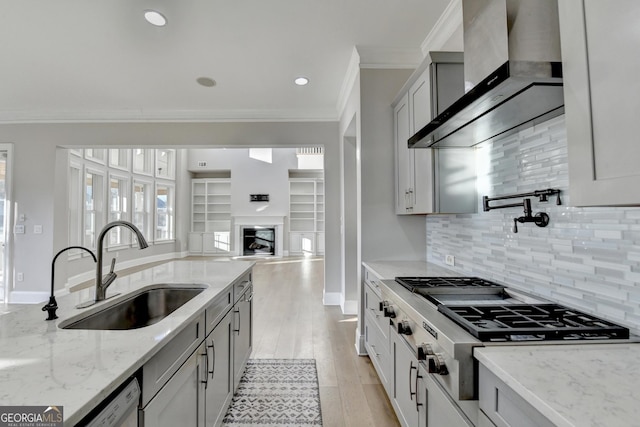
(378, 349)
(503, 406)
(372, 304)
(157, 371)
(240, 286)
(218, 309)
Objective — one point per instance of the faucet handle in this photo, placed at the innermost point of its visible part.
(515, 225)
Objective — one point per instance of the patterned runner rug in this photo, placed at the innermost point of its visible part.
(276, 392)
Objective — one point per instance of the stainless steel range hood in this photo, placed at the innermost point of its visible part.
(513, 72)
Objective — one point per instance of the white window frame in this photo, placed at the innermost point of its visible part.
(165, 170)
(116, 155)
(146, 227)
(77, 152)
(118, 237)
(89, 154)
(170, 213)
(76, 207)
(148, 160)
(99, 211)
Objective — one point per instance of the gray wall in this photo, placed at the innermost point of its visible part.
(36, 181)
(587, 258)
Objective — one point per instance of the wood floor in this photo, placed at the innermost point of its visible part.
(290, 321)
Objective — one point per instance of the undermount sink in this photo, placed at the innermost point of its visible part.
(142, 308)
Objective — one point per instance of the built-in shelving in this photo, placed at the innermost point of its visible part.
(306, 214)
(210, 216)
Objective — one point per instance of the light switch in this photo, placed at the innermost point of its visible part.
(21, 217)
(37, 229)
(18, 229)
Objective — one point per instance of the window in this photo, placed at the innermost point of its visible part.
(166, 164)
(93, 206)
(75, 206)
(164, 212)
(119, 158)
(118, 200)
(97, 155)
(142, 206)
(143, 161)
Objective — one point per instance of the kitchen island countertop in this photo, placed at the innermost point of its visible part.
(572, 385)
(41, 364)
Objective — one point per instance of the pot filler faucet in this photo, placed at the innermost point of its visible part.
(102, 283)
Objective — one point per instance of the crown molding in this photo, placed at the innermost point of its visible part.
(167, 116)
(389, 58)
(444, 28)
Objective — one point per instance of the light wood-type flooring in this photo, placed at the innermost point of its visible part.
(290, 321)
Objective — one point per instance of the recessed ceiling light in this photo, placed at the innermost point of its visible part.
(155, 18)
(206, 81)
(301, 81)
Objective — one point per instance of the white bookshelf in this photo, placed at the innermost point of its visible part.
(210, 216)
(306, 215)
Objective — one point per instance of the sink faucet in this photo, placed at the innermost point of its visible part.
(102, 283)
(52, 305)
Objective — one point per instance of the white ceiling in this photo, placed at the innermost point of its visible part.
(79, 60)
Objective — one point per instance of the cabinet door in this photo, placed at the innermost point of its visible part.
(405, 366)
(435, 406)
(599, 42)
(219, 389)
(242, 334)
(195, 243)
(404, 161)
(180, 402)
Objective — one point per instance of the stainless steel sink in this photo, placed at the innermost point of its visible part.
(143, 308)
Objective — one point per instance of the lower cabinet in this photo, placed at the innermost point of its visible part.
(242, 333)
(190, 382)
(179, 401)
(218, 388)
(405, 373)
(503, 406)
(435, 407)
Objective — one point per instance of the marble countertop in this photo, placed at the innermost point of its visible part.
(572, 385)
(391, 269)
(41, 364)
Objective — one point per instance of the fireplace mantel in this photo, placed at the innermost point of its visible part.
(241, 221)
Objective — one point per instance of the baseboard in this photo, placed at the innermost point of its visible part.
(26, 297)
(332, 298)
(360, 348)
(349, 307)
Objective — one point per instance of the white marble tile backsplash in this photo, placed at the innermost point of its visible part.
(587, 258)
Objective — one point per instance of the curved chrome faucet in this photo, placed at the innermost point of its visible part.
(102, 283)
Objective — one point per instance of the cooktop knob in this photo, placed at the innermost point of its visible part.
(436, 364)
(389, 312)
(424, 350)
(404, 328)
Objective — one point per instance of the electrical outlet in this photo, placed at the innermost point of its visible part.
(450, 260)
(19, 277)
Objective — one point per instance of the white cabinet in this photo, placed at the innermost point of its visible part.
(179, 401)
(435, 407)
(376, 335)
(218, 388)
(427, 180)
(210, 217)
(599, 61)
(503, 406)
(405, 371)
(306, 216)
(242, 326)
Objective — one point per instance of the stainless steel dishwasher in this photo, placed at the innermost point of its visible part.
(120, 409)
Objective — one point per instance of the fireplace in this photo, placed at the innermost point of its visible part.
(258, 241)
(258, 222)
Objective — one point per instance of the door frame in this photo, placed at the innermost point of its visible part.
(7, 261)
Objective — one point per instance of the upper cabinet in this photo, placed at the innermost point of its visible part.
(421, 173)
(599, 45)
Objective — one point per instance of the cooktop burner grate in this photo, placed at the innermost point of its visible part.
(452, 282)
(531, 322)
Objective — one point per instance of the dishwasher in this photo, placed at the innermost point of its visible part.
(120, 409)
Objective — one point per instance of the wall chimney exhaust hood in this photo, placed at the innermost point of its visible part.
(512, 69)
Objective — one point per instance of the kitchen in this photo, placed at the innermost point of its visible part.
(617, 303)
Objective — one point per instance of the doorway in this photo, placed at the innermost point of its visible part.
(5, 221)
